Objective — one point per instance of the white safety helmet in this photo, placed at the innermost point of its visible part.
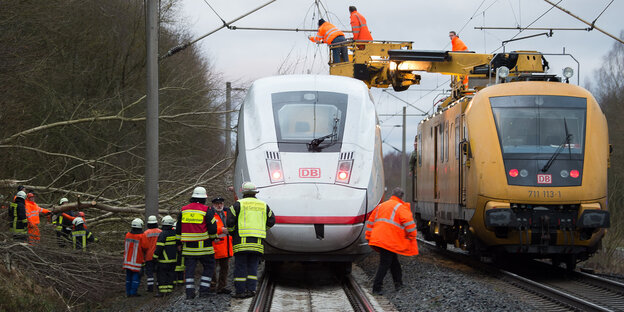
(152, 219)
(63, 200)
(21, 194)
(137, 223)
(199, 192)
(167, 220)
(249, 188)
(77, 221)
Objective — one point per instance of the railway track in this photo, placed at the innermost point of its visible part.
(275, 294)
(555, 290)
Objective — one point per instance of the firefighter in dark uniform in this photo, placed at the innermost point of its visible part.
(63, 224)
(247, 222)
(166, 254)
(17, 216)
(81, 236)
(197, 228)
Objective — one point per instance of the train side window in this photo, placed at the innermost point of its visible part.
(446, 141)
(441, 146)
(456, 143)
(419, 148)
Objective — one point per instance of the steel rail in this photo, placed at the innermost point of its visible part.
(355, 294)
(262, 300)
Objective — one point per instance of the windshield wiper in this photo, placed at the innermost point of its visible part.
(560, 148)
(314, 145)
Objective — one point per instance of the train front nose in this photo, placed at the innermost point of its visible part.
(315, 217)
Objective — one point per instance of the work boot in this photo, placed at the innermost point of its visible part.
(398, 286)
(190, 296)
(250, 294)
(159, 295)
(377, 292)
(205, 294)
(150, 288)
(224, 291)
(239, 295)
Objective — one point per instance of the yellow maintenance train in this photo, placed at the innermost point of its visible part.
(515, 162)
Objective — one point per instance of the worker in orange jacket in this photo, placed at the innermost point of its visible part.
(151, 233)
(328, 33)
(136, 246)
(32, 213)
(391, 230)
(358, 25)
(458, 45)
(222, 247)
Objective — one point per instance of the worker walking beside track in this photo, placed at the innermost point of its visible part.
(390, 230)
(328, 33)
(17, 216)
(151, 233)
(166, 254)
(196, 227)
(134, 254)
(247, 222)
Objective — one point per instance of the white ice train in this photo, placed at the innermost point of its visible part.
(312, 146)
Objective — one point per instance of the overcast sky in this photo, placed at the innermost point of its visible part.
(245, 55)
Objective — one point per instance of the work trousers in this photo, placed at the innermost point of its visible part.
(33, 234)
(149, 273)
(133, 280)
(166, 275)
(179, 269)
(246, 271)
(340, 54)
(208, 264)
(224, 265)
(387, 260)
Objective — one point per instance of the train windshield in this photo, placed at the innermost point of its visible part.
(540, 125)
(309, 121)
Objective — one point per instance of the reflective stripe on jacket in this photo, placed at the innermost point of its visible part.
(359, 27)
(17, 215)
(81, 237)
(152, 238)
(392, 227)
(252, 218)
(223, 244)
(458, 45)
(326, 33)
(193, 222)
(249, 243)
(166, 249)
(32, 212)
(134, 252)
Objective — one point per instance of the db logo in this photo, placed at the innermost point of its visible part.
(309, 172)
(544, 179)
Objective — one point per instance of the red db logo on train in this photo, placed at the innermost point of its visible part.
(309, 172)
(544, 179)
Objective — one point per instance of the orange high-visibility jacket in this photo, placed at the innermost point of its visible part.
(458, 45)
(152, 238)
(359, 27)
(223, 244)
(32, 212)
(326, 33)
(391, 227)
(134, 251)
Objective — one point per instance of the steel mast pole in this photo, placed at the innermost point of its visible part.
(151, 124)
(403, 156)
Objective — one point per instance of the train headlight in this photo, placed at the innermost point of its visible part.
(574, 173)
(513, 173)
(392, 66)
(564, 173)
(524, 173)
(568, 72)
(276, 174)
(343, 173)
(502, 72)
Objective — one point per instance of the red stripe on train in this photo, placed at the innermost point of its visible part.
(319, 220)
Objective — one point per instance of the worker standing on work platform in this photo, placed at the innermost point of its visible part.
(458, 45)
(328, 33)
(358, 25)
